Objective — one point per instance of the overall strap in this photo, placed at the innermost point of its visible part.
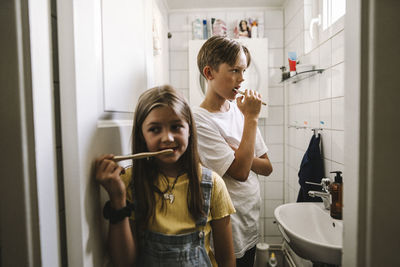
(206, 186)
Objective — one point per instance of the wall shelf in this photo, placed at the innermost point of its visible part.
(302, 75)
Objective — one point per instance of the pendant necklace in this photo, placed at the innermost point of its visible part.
(168, 193)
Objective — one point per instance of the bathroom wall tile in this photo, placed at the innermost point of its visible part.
(273, 190)
(338, 48)
(325, 84)
(184, 92)
(338, 146)
(275, 96)
(325, 111)
(273, 19)
(338, 80)
(179, 41)
(294, 28)
(314, 115)
(275, 116)
(275, 57)
(217, 15)
(292, 8)
(179, 22)
(338, 113)
(261, 229)
(296, 45)
(274, 134)
(328, 167)
(325, 55)
(277, 173)
(274, 77)
(178, 60)
(270, 206)
(273, 240)
(326, 146)
(337, 167)
(275, 153)
(275, 38)
(179, 78)
(270, 228)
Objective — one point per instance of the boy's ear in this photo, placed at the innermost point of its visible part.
(208, 73)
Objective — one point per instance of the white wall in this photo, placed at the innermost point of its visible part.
(312, 100)
(180, 22)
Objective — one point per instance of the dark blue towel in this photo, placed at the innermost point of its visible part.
(311, 170)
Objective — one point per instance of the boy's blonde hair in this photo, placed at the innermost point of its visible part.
(218, 50)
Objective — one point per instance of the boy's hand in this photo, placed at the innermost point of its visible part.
(250, 104)
(108, 175)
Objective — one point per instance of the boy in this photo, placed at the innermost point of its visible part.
(229, 140)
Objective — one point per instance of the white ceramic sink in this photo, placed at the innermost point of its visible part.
(311, 232)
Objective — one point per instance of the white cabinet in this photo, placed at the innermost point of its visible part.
(126, 52)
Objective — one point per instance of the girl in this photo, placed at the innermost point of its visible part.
(176, 201)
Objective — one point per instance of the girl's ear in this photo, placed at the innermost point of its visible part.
(208, 73)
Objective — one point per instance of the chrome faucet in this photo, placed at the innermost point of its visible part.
(324, 194)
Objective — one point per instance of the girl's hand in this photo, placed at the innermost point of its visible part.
(108, 175)
(250, 104)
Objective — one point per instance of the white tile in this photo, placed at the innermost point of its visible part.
(328, 167)
(325, 55)
(338, 113)
(270, 206)
(292, 8)
(338, 167)
(275, 153)
(270, 228)
(232, 19)
(179, 22)
(178, 60)
(338, 80)
(275, 38)
(325, 84)
(294, 28)
(325, 113)
(314, 87)
(338, 48)
(275, 58)
(179, 78)
(217, 15)
(273, 19)
(275, 116)
(179, 41)
(275, 96)
(273, 240)
(274, 134)
(338, 146)
(277, 173)
(326, 146)
(314, 114)
(273, 190)
(274, 77)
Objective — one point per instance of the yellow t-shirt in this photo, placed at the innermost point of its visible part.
(175, 218)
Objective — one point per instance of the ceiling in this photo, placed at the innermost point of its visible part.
(188, 4)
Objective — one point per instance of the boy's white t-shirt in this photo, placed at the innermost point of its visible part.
(216, 132)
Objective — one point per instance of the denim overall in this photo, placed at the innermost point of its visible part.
(186, 250)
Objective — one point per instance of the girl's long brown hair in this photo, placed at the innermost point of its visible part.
(145, 172)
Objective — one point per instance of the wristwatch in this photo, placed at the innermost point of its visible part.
(115, 216)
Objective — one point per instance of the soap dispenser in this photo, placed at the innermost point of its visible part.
(336, 189)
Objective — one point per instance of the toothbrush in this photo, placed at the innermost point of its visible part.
(143, 155)
(242, 93)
